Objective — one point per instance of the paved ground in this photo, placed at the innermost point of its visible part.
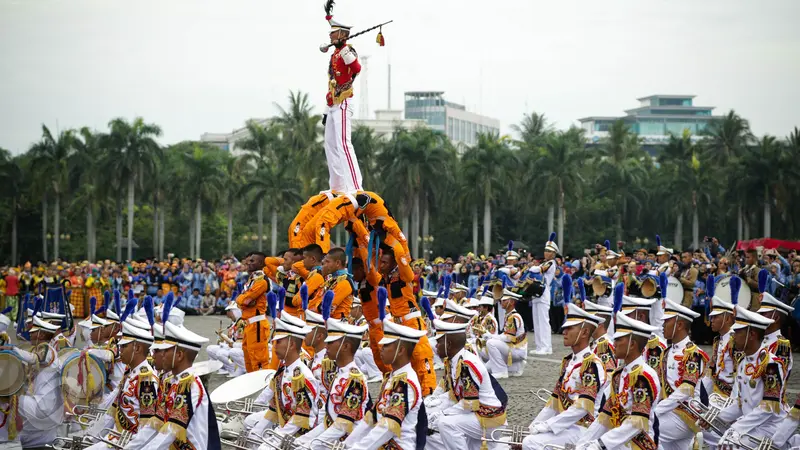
(523, 405)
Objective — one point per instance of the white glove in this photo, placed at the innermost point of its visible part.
(433, 420)
(538, 427)
(432, 401)
(347, 55)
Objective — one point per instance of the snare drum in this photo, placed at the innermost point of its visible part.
(82, 379)
(12, 373)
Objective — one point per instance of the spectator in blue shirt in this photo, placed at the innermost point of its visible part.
(193, 303)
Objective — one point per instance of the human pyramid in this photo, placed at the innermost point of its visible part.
(312, 328)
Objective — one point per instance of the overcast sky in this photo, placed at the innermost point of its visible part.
(195, 66)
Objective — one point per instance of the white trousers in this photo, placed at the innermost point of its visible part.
(365, 361)
(498, 357)
(462, 432)
(232, 359)
(673, 433)
(345, 175)
(541, 326)
(538, 441)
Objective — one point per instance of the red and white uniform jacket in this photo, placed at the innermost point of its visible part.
(342, 70)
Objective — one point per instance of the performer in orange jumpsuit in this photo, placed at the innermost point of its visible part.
(334, 269)
(397, 277)
(318, 229)
(379, 217)
(280, 271)
(306, 213)
(309, 269)
(253, 303)
(367, 285)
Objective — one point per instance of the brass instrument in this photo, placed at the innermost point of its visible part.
(645, 286)
(746, 441)
(122, 438)
(245, 406)
(559, 447)
(222, 336)
(542, 394)
(247, 441)
(508, 435)
(72, 443)
(85, 415)
(600, 287)
(708, 414)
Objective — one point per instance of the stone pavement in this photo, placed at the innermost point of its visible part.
(540, 372)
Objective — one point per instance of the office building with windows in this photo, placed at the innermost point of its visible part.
(655, 119)
(460, 125)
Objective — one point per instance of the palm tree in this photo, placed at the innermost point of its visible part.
(301, 131)
(558, 174)
(204, 179)
(262, 146)
(50, 159)
(367, 146)
(765, 173)
(85, 181)
(134, 156)
(533, 130)
(493, 157)
(12, 178)
(620, 163)
(231, 185)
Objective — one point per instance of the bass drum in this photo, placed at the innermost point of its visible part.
(12, 373)
(82, 379)
(723, 291)
(674, 290)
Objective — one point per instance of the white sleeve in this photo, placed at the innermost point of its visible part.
(619, 437)
(376, 437)
(265, 396)
(142, 437)
(566, 419)
(594, 432)
(329, 436)
(362, 429)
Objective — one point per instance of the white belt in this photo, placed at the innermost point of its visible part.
(412, 315)
(256, 319)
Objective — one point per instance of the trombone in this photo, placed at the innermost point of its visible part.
(221, 337)
(746, 441)
(245, 406)
(708, 414)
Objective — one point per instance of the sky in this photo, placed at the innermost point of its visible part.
(196, 66)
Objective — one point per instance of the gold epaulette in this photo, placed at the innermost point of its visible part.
(298, 382)
(653, 342)
(588, 360)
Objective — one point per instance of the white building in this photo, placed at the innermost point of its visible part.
(460, 126)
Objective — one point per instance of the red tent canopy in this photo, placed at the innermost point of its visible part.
(768, 243)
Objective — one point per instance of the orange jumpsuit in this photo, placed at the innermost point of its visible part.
(368, 293)
(379, 217)
(290, 282)
(306, 213)
(343, 288)
(404, 310)
(314, 281)
(338, 210)
(253, 303)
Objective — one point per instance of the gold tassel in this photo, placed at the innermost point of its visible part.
(380, 40)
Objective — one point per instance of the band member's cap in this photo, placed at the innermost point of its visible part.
(720, 306)
(745, 318)
(472, 303)
(458, 287)
(597, 309)
(429, 294)
(178, 335)
(283, 329)
(233, 307)
(335, 26)
(449, 328)
(296, 321)
(551, 245)
(53, 318)
(338, 329)
(452, 308)
(131, 333)
(509, 294)
(626, 326)
(611, 254)
(486, 300)
(674, 309)
(40, 324)
(577, 316)
(394, 331)
(5, 322)
(314, 319)
(356, 301)
(111, 316)
(633, 303)
(770, 303)
(438, 303)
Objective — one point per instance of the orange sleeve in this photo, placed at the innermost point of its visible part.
(250, 296)
(314, 283)
(342, 299)
(271, 265)
(403, 263)
(300, 269)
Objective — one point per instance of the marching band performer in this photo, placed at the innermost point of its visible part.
(688, 278)
(348, 400)
(345, 175)
(229, 350)
(628, 414)
(367, 282)
(681, 371)
(571, 408)
(293, 392)
(779, 312)
(663, 255)
(310, 271)
(759, 385)
(721, 372)
(280, 271)
(485, 327)
(364, 357)
(306, 213)
(137, 398)
(339, 282)
(541, 305)
(787, 436)
(507, 350)
(749, 274)
(641, 309)
(322, 366)
(399, 414)
(479, 402)
(41, 407)
(602, 338)
(397, 279)
(189, 419)
(253, 304)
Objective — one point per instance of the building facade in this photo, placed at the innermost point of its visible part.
(460, 125)
(656, 118)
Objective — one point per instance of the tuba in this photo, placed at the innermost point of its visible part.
(600, 286)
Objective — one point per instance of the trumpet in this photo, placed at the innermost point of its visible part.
(542, 394)
(559, 447)
(708, 414)
(86, 414)
(246, 441)
(746, 441)
(508, 435)
(122, 438)
(72, 443)
(245, 406)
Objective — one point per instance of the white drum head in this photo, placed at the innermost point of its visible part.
(206, 367)
(242, 386)
(674, 290)
(723, 291)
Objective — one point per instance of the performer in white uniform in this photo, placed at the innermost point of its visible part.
(229, 351)
(507, 350)
(541, 305)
